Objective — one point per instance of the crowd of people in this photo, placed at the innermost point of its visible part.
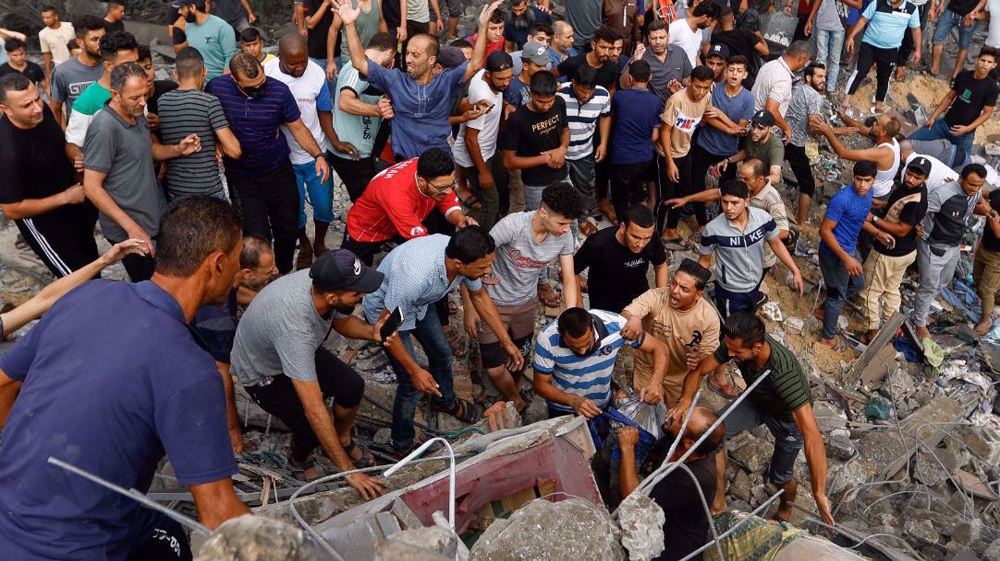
(479, 164)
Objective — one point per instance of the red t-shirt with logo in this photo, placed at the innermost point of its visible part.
(393, 206)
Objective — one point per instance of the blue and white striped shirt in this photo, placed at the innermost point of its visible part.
(582, 119)
(415, 277)
(589, 375)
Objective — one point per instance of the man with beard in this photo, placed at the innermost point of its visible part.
(522, 18)
(761, 144)
(807, 103)
(476, 143)
(307, 82)
(669, 65)
(772, 90)
(599, 58)
(885, 153)
(211, 35)
(421, 98)
(687, 33)
(72, 77)
(119, 177)
(279, 357)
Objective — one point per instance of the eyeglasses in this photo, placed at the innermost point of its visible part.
(442, 188)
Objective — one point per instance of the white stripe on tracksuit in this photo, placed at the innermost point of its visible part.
(46, 248)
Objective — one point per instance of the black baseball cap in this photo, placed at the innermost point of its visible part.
(719, 51)
(450, 57)
(920, 165)
(763, 118)
(342, 270)
(498, 61)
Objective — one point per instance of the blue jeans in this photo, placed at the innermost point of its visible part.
(320, 194)
(839, 287)
(942, 130)
(948, 21)
(787, 438)
(430, 335)
(828, 47)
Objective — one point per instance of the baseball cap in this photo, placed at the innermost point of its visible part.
(719, 51)
(535, 52)
(196, 3)
(451, 57)
(920, 165)
(342, 270)
(763, 118)
(498, 60)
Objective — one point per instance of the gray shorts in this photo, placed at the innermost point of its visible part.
(787, 438)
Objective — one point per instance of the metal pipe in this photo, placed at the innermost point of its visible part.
(645, 488)
(451, 472)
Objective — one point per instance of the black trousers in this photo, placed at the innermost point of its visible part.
(138, 267)
(268, 204)
(63, 248)
(799, 162)
(701, 160)
(336, 379)
(906, 49)
(354, 173)
(627, 186)
(883, 59)
(683, 188)
(366, 251)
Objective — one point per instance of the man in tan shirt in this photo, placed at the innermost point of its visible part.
(681, 318)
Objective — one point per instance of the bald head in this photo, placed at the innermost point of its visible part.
(293, 54)
(701, 420)
(292, 42)
(421, 55)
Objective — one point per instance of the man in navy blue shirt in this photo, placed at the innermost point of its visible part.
(111, 379)
(421, 99)
(838, 257)
(262, 182)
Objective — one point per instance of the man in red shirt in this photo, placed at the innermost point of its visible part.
(396, 202)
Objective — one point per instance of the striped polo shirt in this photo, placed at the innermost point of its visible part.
(582, 119)
(184, 112)
(739, 263)
(786, 387)
(589, 375)
(256, 124)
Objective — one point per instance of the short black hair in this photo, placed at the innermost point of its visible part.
(574, 322)
(640, 70)
(86, 23)
(657, 25)
(735, 188)
(191, 230)
(606, 34)
(811, 69)
(246, 65)
(990, 51)
(543, 84)
(746, 327)
(145, 53)
(457, 43)
(120, 75)
(701, 72)
(470, 244)
(640, 215)
(13, 82)
(250, 35)
(865, 168)
(691, 267)
(253, 247)
(115, 42)
(189, 63)
(562, 199)
(978, 169)
(382, 41)
(435, 162)
(116, 3)
(709, 9)
(13, 44)
(50, 9)
(540, 27)
(738, 59)
(585, 76)
(499, 16)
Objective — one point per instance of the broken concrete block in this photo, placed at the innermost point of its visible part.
(922, 531)
(841, 448)
(391, 550)
(993, 551)
(641, 521)
(740, 486)
(754, 455)
(431, 541)
(552, 531)
(252, 538)
(984, 441)
(967, 532)
(927, 470)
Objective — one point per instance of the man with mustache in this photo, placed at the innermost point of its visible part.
(211, 35)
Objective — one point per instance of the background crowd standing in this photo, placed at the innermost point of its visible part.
(509, 148)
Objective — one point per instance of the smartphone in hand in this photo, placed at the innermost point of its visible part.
(391, 324)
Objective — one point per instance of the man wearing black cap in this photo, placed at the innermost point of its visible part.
(279, 358)
(211, 35)
(894, 236)
(716, 60)
(476, 142)
(761, 144)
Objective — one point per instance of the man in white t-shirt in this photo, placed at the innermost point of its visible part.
(476, 142)
(993, 35)
(307, 82)
(54, 39)
(687, 33)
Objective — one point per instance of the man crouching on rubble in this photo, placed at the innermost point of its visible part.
(685, 522)
(112, 379)
(783, 402)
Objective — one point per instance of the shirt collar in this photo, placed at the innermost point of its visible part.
(785, 64)
(159, 298)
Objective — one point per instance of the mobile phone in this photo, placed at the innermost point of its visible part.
(391, 324)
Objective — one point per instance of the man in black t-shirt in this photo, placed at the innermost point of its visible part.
(618, 259)
(39, 191)
(18, 62)
(536, 139)
(894, 237)
(986, 269)
(969, 103)
(740, 41)
(685, 523)
(601, 58)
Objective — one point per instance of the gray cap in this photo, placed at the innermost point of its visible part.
(535, 52)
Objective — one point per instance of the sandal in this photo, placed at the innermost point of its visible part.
(456, 342)
(367, 458)
(464, 411)
(302, 472)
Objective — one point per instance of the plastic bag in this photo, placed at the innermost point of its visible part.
(645, 416)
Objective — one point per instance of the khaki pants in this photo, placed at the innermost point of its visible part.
(986, 274)
(516, 187)
(883, 275)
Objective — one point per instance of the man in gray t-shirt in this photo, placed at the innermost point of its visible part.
(119, 177)
(279, 358)
(70, 78)
(527, 243)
